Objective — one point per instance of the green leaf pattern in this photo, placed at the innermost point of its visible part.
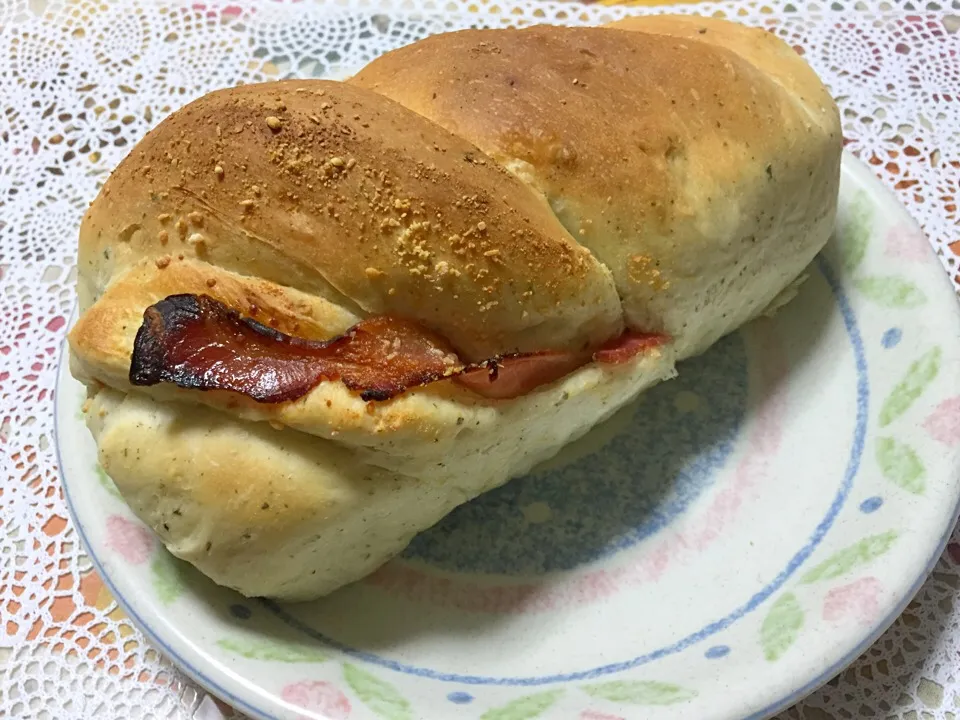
(856, 227)
(273, 650)
(640, 692)
(898, 462)
(855, 232)
(106, 482)
(524, 708)
(901, 466)
(167, 582)
(853, 556)
(379, 695)
(781, 626)
(890, 291)
(918, 376)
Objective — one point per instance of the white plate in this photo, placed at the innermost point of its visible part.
(716, 551)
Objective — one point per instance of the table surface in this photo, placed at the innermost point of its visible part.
(81, 81)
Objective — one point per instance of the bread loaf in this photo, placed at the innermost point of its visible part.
(522, 192)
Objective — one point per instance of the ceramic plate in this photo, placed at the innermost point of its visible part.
(716, 550)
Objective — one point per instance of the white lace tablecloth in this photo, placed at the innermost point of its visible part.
(82, 80)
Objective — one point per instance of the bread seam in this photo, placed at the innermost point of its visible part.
(333, 294)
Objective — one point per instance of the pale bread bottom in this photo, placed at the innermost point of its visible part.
(283, 514)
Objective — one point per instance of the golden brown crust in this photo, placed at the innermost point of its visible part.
(669, 157)
(759, 48)
(339, 192)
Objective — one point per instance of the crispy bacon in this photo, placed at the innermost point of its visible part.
(197, 342)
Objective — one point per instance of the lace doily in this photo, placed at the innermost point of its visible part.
(82, 80)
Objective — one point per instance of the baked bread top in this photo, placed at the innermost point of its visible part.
(510, 190)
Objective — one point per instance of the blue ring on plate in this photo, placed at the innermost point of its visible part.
(853, 465)
(634, 487)
(204, 680)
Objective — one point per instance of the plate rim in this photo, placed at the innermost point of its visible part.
(219, 689)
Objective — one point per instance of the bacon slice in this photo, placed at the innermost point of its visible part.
(511, 376)
(627, 346)
(197, 342)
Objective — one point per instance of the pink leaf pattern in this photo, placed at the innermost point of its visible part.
(594, 715)
(131, 540)
(318, 697)
(943, 424)
(859, 599)
(905, 243)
